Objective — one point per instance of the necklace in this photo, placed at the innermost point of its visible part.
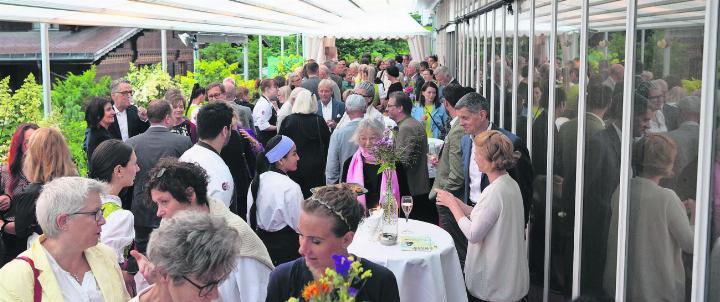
(76, 277)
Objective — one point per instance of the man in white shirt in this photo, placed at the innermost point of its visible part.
(214, 126)
(129, 120)
(329, 107)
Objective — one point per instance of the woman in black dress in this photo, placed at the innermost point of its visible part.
(328, 222)
(99, 114)
(365, 167)
(312, 137)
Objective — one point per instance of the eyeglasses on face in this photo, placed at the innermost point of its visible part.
(203, 290)
(98, 214)
(126, 93)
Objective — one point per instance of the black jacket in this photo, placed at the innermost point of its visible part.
(135, 125)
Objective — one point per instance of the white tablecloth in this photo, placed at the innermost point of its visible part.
(421, 276)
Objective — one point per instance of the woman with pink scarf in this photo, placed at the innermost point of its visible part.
(362, 167)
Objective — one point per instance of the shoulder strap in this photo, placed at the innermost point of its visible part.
(37, 290)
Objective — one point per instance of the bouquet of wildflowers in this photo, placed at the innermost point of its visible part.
(337, 284)
(387, 153)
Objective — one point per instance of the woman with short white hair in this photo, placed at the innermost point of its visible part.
(312, 138)
(66, 263)
(192, 252)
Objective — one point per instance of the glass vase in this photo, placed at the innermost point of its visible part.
(389, 223)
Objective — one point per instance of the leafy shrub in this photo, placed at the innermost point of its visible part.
(70, 95)
(281, 66)
(691, 85)
(207, 72)
(24, 105)
(148, 83)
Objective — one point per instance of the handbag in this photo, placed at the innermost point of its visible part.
(37, 290)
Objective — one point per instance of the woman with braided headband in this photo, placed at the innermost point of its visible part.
(328, 222)
(273, 201)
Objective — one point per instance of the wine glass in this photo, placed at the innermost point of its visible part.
(407, 205)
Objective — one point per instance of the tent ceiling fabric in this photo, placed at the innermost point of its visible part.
(362, 19)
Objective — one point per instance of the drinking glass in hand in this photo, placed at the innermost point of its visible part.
(407, 205)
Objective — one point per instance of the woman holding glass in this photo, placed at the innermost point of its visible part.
(496, 267)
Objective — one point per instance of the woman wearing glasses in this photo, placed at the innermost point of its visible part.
(66, 263)
(214, 247)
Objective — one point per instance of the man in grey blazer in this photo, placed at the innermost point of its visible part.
(342, 146)
(411, 136)
(157, 142)
(686, 138)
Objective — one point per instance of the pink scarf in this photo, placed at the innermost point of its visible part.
(355, 175)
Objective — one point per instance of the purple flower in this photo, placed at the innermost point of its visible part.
(342, 265)
(352, 291)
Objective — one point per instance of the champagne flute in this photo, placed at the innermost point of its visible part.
(407, 205)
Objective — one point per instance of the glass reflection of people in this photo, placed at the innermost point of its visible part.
(602, 171)
(659, 230)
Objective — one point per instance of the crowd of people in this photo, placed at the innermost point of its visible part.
(230, 197)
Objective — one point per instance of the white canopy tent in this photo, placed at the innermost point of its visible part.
(314, 19)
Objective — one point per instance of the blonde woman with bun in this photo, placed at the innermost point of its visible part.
(496, 267)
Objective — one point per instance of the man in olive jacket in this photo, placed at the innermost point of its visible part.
(450, 176)
(412, 138)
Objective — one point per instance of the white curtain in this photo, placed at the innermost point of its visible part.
(419, 46)
(313, 48)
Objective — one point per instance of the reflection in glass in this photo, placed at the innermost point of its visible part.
(659, 226)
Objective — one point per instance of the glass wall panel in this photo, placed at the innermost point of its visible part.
(713, 288)
(603, 126)
(664, 152)
(558, 114)
(538, 136)
(523, 54)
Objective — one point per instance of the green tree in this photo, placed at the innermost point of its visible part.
(70, 95)
(148, 83)
(234, 54)
(352, 49)
(24, 105)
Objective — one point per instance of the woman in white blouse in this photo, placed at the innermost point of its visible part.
(66, 263)
(496, 268)
(115, 163)
(274, 200)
